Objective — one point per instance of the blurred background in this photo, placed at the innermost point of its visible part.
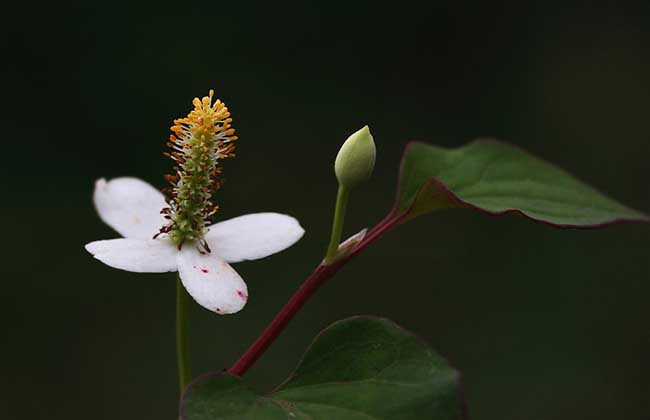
(542, 323)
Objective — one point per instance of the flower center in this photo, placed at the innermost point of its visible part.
(199, 141)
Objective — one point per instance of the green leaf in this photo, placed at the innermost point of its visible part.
(361, 368)
(497, 179)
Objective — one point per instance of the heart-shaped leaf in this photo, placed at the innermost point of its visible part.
(497, 178)
(361, 368)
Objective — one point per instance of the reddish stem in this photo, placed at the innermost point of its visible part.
(313, 283)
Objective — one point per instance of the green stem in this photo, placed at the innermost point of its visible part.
(337, 224)
(184, 375)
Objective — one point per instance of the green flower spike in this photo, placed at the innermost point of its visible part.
(199, 141)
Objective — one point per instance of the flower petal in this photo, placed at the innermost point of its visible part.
(253, 236)
(130, 206)
(137, 255)
(211, 281)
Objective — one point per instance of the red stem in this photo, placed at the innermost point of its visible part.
(313, 283)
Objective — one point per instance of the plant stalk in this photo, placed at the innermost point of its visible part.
(184, 375)
(337, 225)
(322, 273)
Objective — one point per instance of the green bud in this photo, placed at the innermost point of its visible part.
(356, 159)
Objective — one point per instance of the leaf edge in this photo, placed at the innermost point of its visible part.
(405, 215)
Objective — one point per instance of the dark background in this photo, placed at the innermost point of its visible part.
(542, 323)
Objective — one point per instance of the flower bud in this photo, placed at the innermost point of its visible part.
(356, 159)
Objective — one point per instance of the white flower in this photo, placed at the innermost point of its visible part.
(132, 207)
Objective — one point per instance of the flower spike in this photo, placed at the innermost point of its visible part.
(197, 144)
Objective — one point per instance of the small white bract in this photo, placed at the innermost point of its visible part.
(132, 208)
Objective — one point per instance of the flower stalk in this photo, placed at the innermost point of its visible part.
(337, 224)
(182, 341)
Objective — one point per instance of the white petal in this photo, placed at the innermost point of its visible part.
(137, 255)
(211, 281)
(130, 206)
(253, 236)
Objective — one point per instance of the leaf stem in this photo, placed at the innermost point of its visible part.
(322, 273)
(184, 375)
(337, 225)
